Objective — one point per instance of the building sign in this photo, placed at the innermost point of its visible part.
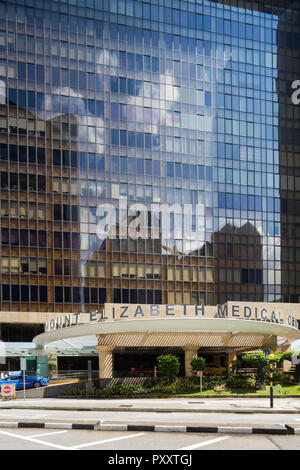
(257, 312)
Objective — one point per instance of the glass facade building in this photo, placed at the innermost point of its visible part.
(165, 102)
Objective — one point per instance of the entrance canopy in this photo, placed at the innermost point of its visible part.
(229, 328)
(230, 321)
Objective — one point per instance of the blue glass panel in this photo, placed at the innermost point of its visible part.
(236, 201)
(208, 173)
(229, 201)
(147, 141)
(131, 139)
(115, 137)
(123, 138)
(186, 170)
(222, 200)
(83, 160)
(148, 167)
(251, 203)
(140, 166)
(123, 164)
(156, 168)
(40, 101)
(258, 203)
(170, 169)
(131, 165)
(178, 170)
(100, 162)
(201, 172)
(244, 201)
(270, 204)
(99, 109)
(114, 85)
(21, 71)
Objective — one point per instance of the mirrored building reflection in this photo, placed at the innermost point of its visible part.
(167, 102)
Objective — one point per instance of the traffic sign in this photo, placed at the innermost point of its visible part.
(200, 375)
(23, 363)
(267, 352)
(8, 390)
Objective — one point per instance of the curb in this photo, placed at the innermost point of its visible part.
(155, 410)
(210, 429)
(276, 429)
(91, 426)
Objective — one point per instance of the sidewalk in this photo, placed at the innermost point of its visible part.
(179, 405)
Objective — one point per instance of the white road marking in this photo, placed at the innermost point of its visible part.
(47, 434)
(205, 443)
(106, 441)
(9, 414)
(57, 446)
(36, 441)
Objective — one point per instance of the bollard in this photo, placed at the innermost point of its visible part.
(271, 358)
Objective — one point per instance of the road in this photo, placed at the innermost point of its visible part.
(173, 412)
(55, 439)
(40, 439)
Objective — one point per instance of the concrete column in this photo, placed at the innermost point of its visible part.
(286, 365)
(53, 370)
(189, 353)
(106, 361)
(42, 365)
(230, 357)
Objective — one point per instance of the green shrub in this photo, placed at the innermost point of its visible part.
(210, 382)
(197, 363)
(114, 390)
(74, 391)
(284, 377)
(164, 387)
(187, 385)
(240, 381)
(235, 365)
(190, 385)
(168, 366)
(259, 361)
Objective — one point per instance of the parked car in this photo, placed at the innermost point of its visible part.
(30, 381)
(247, 370)
(142, 371)
(214, 369)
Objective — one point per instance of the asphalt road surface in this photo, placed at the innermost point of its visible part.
(77, 440)
(240, 412)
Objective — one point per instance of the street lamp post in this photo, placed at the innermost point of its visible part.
(271, 358)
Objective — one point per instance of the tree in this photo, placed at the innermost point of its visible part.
(259, 361)
(197, 363)
(168, 366)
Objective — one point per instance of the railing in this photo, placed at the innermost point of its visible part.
(72, 374)
(136, 372)
(247, 370)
